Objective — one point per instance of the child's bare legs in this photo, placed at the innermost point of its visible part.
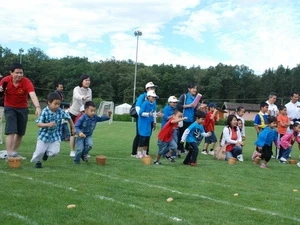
(139, 152)
(72, 146)
(204, 151)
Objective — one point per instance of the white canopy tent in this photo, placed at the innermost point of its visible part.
(122, 109)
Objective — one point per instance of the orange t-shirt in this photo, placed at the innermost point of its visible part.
(282, 119)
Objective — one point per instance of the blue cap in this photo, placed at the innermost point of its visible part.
(212, 104)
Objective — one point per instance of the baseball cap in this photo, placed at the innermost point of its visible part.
(150, 84)
(212, 104)
(151, 93)
(172, 99)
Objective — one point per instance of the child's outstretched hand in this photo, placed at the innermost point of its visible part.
(81, 135)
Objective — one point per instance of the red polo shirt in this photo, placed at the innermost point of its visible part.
(17, 97)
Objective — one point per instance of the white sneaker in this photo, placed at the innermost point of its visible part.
(72, 153)
(298, 164)
(211, 152)
(204, 152)
(282, 159)
(240, 158)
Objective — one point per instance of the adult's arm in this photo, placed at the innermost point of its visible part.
(35, 102)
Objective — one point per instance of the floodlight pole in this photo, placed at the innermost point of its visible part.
(137, 33)
(21, 50)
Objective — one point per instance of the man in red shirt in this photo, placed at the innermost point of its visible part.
(16, 89)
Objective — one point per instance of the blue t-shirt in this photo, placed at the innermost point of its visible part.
(168, 111)
(144, 122)
(143, 97)
(195, 132)
(266, 137)
(188, 112)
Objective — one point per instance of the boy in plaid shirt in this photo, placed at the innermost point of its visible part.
(49, 137)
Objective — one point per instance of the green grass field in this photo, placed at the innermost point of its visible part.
(125, 191)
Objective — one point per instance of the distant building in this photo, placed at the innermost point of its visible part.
(250, 109)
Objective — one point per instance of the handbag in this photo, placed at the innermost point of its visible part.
(220, 152)
(132, 111)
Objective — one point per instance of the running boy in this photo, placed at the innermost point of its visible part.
(192, 134)
(85, 126)
(264, 141)
(166, 142)
(49, 137)
(209, 125)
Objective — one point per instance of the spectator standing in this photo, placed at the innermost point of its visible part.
(16, 110)
(272, 109)
(293, 107)
(81, 94)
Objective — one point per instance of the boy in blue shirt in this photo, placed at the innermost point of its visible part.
(264, 141)
(191, 135)
(85, 126)
(261, 118)
(146, 118)
(49, 137)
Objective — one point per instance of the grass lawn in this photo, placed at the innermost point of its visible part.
(125, 191)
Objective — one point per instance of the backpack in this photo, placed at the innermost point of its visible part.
(132, 111)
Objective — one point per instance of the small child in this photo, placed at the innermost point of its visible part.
(49, 137)
(191, 135)
(283, 122)
(85, 126)
(287, 141)
(264, 141)
(261, 118)
(146, 117)
(240, 111)
(209, 125)
(169, 110)
(166, 142)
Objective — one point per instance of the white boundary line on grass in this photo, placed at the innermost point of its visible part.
(262, 211)
(20, 217)
(176, 219)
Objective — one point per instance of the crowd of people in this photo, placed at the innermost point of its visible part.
(186, 121)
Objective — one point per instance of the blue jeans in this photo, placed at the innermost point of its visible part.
(65, 132)
(237, 150)
(285, 153)
(83, 146)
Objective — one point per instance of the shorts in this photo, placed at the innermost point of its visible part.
(165, 147)
(16, 120)
(211, 139)
(144, 141)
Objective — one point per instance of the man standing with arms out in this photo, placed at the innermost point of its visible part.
(16, 94)
(272, 110)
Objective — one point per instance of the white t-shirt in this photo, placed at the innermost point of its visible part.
(293, 110)
(77, 102)
(273, 109)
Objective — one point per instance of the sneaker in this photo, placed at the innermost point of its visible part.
(170, 158)
(139, 156)
(211, 153)
(255, 154)
(263, 166)
(298, 164)
(156, 162)
(204, 152)
(282, 159)
(38, 164)
(273, 157)
(240, 158)
(133, 155)
(15, 155)
(45, 156)
(194, 164)
(72, 153)
(85, 158)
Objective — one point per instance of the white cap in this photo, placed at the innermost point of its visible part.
(150, 84)
(172, 99)
(81, 108)
(151, 93)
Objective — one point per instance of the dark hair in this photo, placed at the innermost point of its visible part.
(16, 66)
(240, 108)
(295, 124)
(272, 94)
(191, 85)
(229, 119)
(263, 104)
(58, 83)
(177, 110)
(200, 114)
(294, 93)
(53, 96)
(281, 107)
(88, 104)
(272, 119)
(82, 77)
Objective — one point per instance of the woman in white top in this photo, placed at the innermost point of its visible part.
(81, 94)
(233, 139)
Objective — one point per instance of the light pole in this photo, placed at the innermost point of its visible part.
(21, 50)
(137, 33)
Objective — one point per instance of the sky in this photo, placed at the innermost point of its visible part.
(260, 34)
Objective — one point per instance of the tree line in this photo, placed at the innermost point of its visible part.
(112, 80)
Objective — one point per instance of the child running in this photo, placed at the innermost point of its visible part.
(166, 142)
(49, 137)
(85, 126)
(192, 134)
(264, 141)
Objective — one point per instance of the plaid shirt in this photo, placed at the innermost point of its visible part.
(51, 134)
